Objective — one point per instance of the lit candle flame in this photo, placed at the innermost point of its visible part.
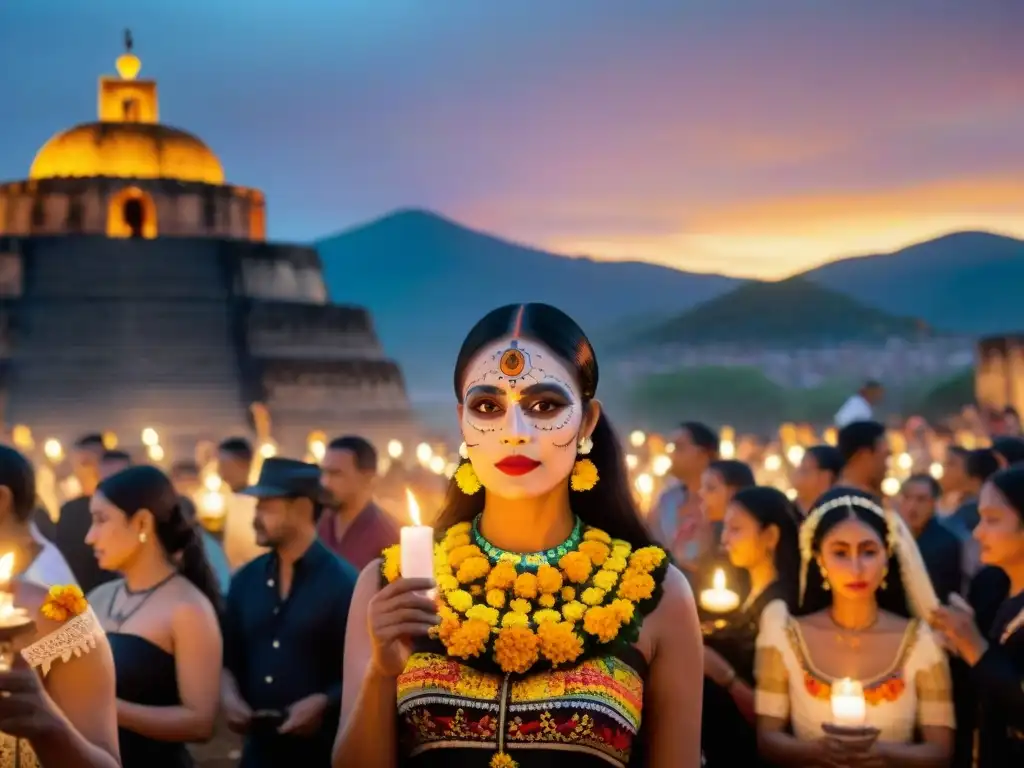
(6, 569)
(414, 508)
(718, 580)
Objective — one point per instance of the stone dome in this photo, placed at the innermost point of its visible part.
(127, 150)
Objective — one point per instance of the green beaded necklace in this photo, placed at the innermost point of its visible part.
(534, 560)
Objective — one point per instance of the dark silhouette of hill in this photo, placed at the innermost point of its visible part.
(427, 279)
(967, 282)
(793, 312)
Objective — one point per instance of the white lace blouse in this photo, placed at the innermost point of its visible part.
(914, 692)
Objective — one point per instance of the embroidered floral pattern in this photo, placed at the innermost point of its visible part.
(74, 638)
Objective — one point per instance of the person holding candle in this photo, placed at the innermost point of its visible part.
(760, 537)
(57, 706)
(558, 627)
(996, 658)
(858, 632)
(719, 483)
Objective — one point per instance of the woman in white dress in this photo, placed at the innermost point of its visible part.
(864, 592)
(57, 695)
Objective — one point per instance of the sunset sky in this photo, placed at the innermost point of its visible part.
(749, 137)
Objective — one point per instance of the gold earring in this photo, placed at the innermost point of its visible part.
(143, 538)
(885, 581)
(464, 450)
(824, 578)
(466, 479)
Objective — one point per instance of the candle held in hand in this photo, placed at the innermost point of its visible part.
(417, 544)
(718, 599)
(848, 706)
(6, 596)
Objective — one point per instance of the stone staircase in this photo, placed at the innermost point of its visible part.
(123, 335)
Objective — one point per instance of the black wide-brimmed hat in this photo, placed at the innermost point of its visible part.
(287, 479)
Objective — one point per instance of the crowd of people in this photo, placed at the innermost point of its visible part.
(547, 621)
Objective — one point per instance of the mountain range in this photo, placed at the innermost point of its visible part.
(427, 279)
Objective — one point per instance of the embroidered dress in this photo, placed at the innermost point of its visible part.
(913, 692)
(72, 639)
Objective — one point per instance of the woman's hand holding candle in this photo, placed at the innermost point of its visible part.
(417, 544)
(718, 599)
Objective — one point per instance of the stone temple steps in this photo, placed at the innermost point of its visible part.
(145, 339)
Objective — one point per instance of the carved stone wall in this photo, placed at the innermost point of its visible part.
(71, 206)
(326, 332)
(283, 273)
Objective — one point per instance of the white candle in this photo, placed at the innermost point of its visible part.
(718, 599)
(848, 706)
(6, 596)
(417, 544)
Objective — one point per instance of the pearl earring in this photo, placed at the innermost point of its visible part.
(464, 450)
(143, 538)
(585, 447)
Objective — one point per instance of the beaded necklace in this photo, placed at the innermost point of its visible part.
(533, 560)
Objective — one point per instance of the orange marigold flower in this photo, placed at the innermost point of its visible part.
(623, 609)
(597, 551)
(646, 559)
(546, 601)
(469, 639)
(596, 534)
(549, 580)
(576, 566)
(602, 622)
(457, 555)
(559, 643)
(454, 542)
(526, 585)
(502, 576)
(63, 602)
(502, 760)
(568, 593)
(516, 649)
(636, 586)
(473, 568)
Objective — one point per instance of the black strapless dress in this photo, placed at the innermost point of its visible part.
(147, 675)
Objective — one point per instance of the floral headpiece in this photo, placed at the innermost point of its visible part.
(899, 542)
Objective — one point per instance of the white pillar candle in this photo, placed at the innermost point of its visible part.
(417, 544)
(848, 706)
(718, 599)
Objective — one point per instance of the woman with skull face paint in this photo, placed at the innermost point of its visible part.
(863, 595)
(555, 626)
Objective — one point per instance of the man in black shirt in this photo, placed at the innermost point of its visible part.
(284, 627)
(941, 549)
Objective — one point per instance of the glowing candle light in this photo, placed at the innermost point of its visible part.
(417, 543)
(6, 596)
(719, 599)
(849, 709)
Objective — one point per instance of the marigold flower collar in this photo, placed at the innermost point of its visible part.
(515, 614)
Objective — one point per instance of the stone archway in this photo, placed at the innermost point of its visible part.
(131, 213)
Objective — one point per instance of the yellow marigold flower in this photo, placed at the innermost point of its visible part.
(391, 563)
(602, 622)
(457, 555)
(467, 480)
(576, 566)
(502, 760)
(623, 609)
(495, 598)
(502, 576)
(584, 475)
(526, 585)
(473, 569)
(484, 613)
(546, 601)
(449, 623)
(597, 551)
(573, 610)
(596, 534)
(459, 599)
(549, 580)
(545, 615)
(446, 582)
(646, 559)
(520, 606)
(64, 602)
(458, 528)
(469, 639)
(516, 649)
(558, 642)
(605, 580)
(592, 596)
(568, 593)
(636, 586)
(513, 619)
(454, 542)
(620, 543)
(615, 563)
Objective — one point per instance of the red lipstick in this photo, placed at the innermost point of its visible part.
(517, 465)
(857, 586)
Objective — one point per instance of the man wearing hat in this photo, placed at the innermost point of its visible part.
(284, 626)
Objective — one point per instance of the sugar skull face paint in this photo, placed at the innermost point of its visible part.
(522, 415)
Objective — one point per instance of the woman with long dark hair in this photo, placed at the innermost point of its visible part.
(57, 702)
(760, 537)
(160, 617)
(863, 592)
(996, 657)
(558, 627)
